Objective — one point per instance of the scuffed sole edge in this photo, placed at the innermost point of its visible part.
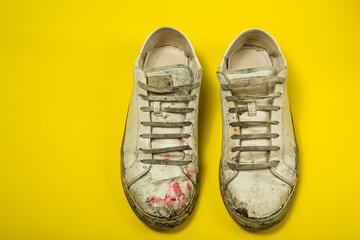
(260, 223)
(155, 222)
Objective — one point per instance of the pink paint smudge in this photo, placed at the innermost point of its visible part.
(184, 141)
(179, 194)
(188, 186)
(190, 172)
(167, 158)
(167, 199)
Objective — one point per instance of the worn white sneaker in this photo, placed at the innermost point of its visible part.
(159, 159)
(259, 162)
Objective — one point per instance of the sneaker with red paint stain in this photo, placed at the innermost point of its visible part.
(159, 160)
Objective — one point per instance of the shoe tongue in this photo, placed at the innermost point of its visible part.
(256, 86)
(249, 74)
(169, 76)
(253, 78)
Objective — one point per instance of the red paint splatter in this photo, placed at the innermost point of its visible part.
(179, 194)
(167, 199)
(188, 186)
(190, 172)
(167, 158)
(184, 141)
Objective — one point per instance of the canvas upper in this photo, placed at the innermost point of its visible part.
(259, 160)
(159, 160)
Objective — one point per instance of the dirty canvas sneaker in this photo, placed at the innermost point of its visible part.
(259, 162)
(159, 159)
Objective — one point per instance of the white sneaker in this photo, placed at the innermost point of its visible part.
(259, 163)
(159, 159)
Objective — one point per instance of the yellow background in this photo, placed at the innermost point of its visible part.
(65, 84)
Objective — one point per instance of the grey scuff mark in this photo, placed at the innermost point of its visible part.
(242, 212)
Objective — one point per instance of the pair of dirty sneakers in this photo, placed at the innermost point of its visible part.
(159, 158)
